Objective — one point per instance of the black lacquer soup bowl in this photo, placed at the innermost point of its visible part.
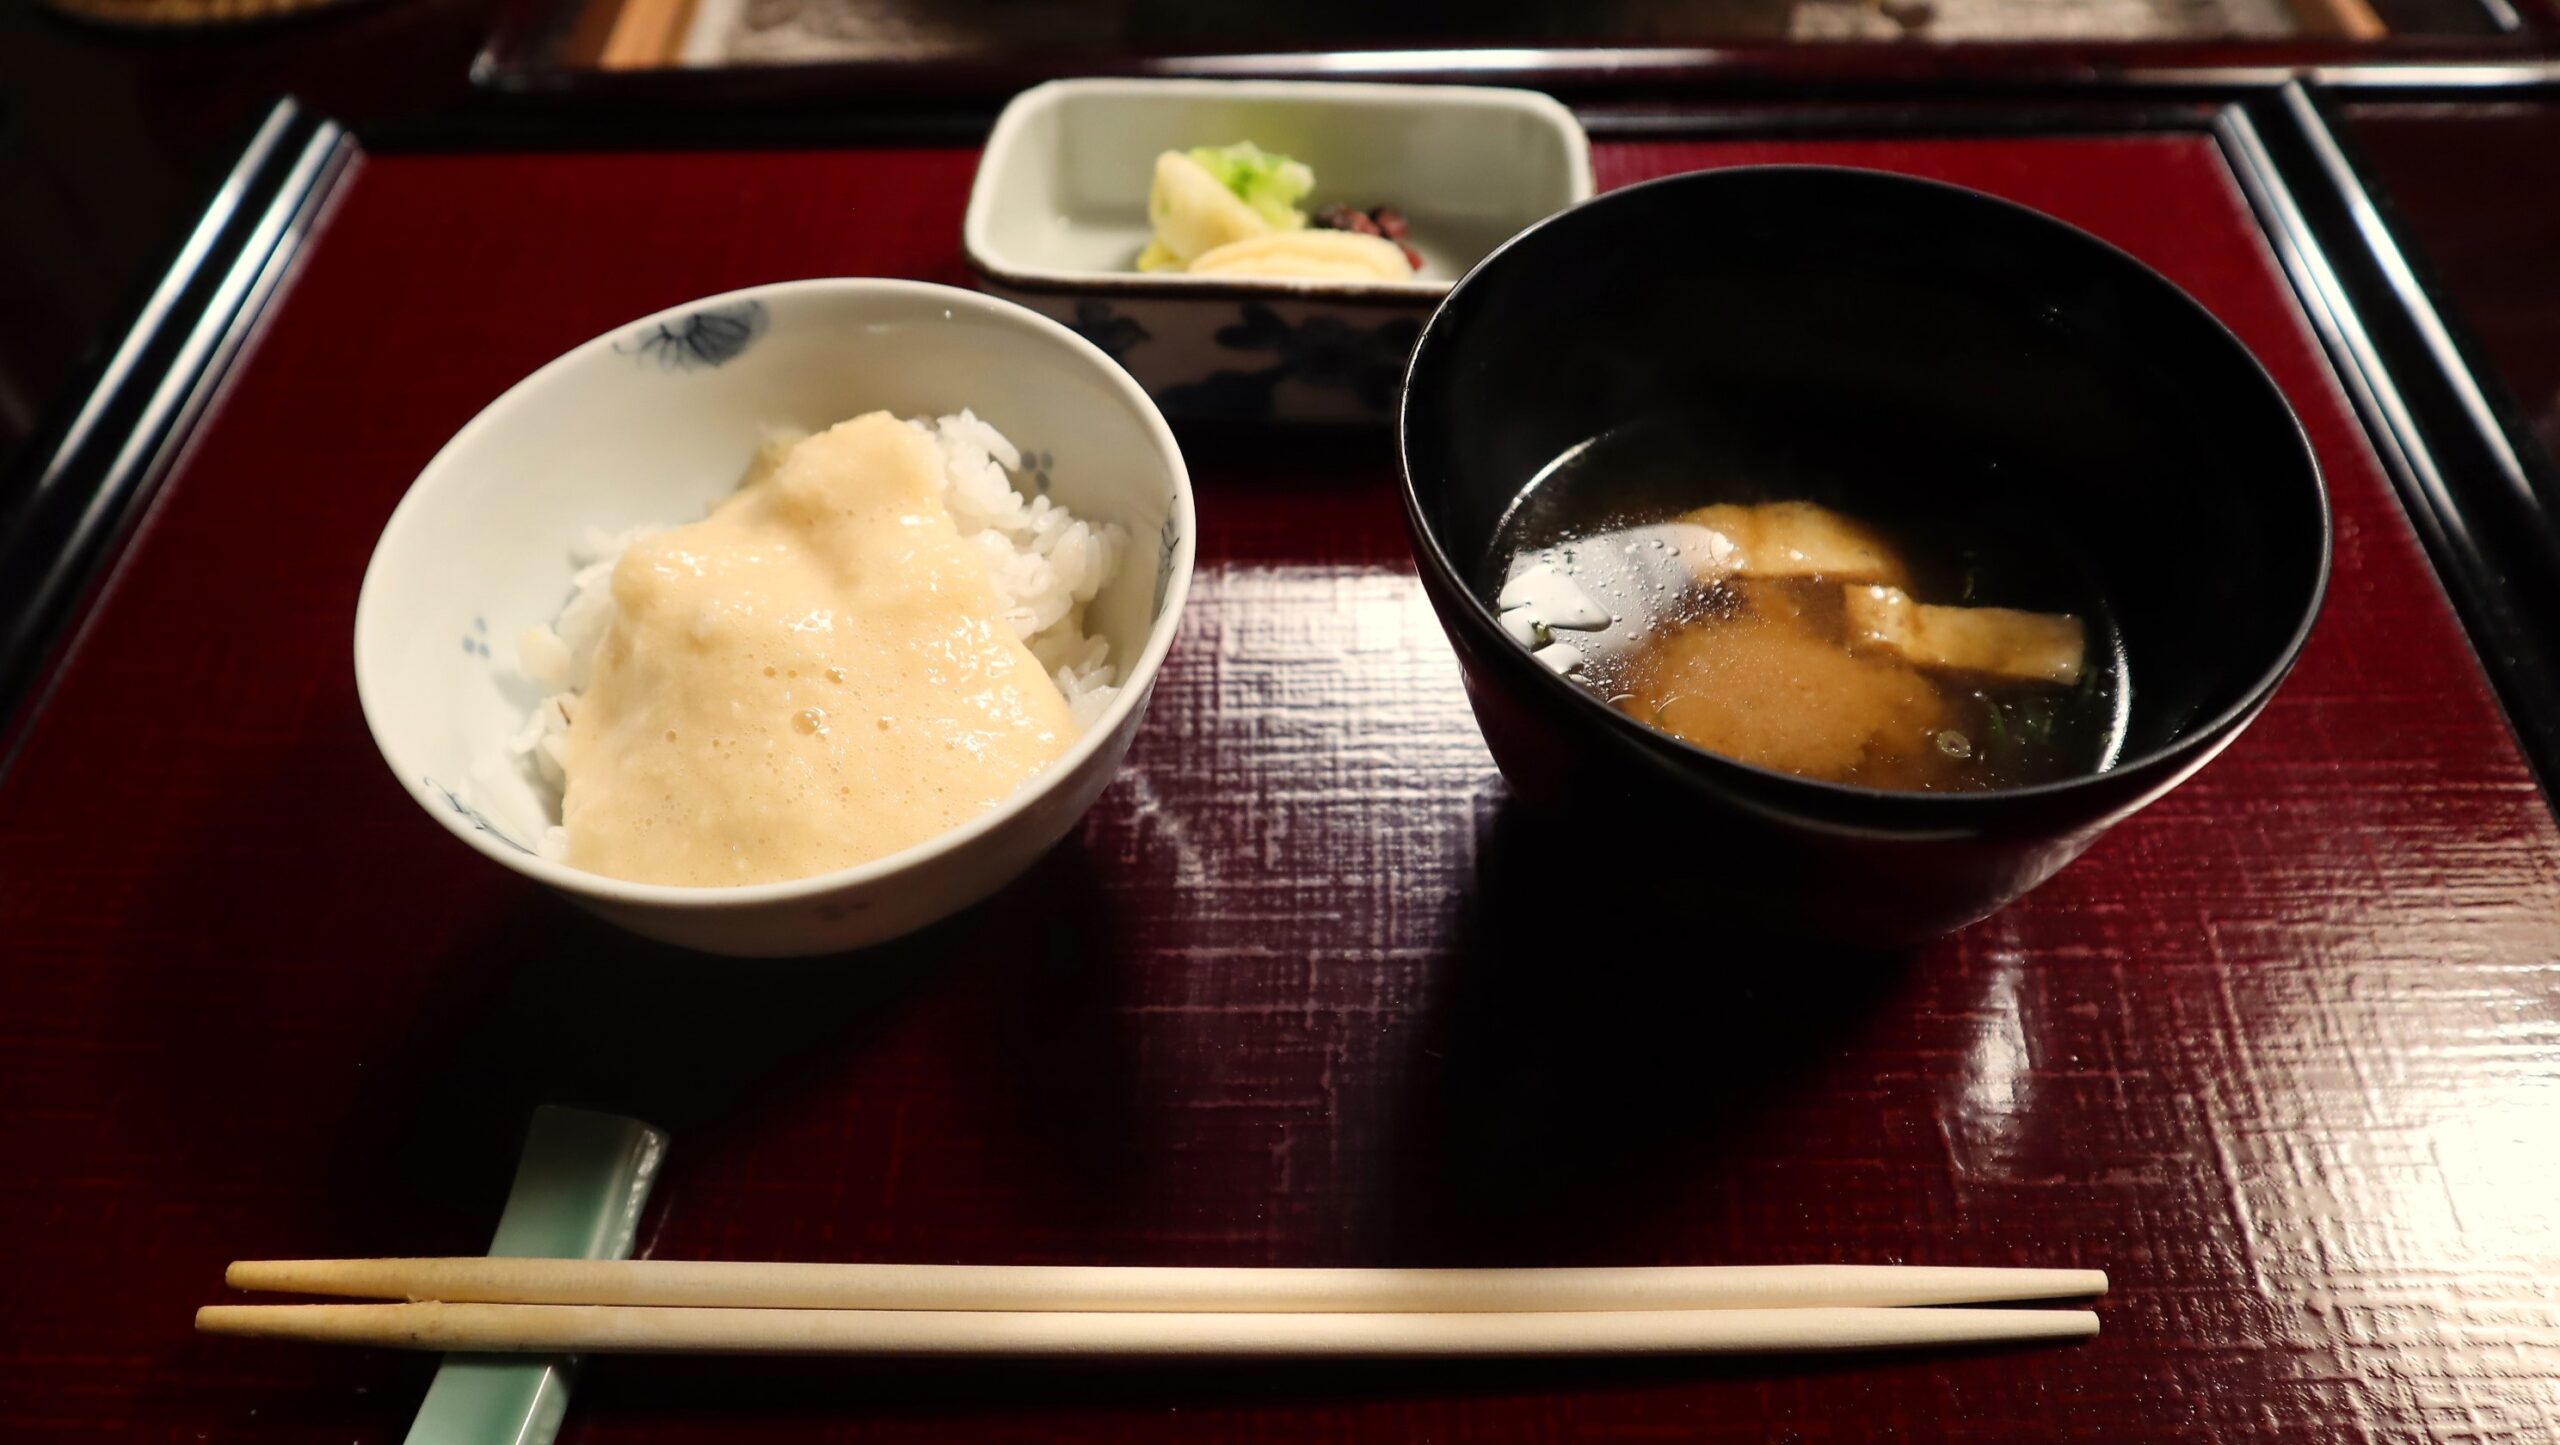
(1967, 357)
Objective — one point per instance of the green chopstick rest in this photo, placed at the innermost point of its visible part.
(579, 1189)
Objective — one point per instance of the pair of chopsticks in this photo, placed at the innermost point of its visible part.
(561, 1306)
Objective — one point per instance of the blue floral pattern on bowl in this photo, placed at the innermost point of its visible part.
(700, 340)
(454, 801)
(1168, 537)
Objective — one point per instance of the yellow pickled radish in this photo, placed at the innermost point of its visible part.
(1310, 255)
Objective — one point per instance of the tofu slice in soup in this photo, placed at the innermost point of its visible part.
(1987, 641)
(1798, 539)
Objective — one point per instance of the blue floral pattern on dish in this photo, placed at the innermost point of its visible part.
(700, 340)
(1117, 335)
(1323, 351)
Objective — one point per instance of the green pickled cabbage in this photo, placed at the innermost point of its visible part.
(1271, 184)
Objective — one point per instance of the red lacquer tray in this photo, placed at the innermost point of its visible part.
(2282, 1053)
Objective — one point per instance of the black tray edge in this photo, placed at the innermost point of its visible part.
(2479, 492)
(88, 475)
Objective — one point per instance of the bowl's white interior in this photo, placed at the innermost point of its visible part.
(1063, 187)
(635, 428)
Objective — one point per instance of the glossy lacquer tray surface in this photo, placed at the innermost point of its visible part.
(2282, 1054)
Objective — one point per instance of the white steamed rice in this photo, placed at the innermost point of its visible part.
(1046, 565)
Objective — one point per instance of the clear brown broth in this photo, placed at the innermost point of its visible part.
(1761, 669)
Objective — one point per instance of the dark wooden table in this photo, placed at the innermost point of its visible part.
(2283, 1053)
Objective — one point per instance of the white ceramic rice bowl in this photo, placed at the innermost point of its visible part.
(650, 423)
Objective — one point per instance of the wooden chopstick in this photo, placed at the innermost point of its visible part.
(1014, 1334)
(1108, 1289)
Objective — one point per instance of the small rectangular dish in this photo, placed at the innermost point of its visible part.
(1058, 215)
